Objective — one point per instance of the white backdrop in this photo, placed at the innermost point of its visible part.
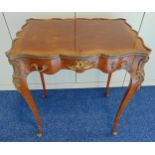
(10, 23)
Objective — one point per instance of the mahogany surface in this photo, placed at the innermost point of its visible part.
(81, 37)
(54, 44)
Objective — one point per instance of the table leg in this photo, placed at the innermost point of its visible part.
(128, 95)
(108, 83)
(43, 84)
(20, 82)
(136, 71)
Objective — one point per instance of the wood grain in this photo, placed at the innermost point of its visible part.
(55, 37)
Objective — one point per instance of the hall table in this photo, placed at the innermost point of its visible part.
(50, 45)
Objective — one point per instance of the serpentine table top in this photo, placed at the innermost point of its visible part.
(50, 38)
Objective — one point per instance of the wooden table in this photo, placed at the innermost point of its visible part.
(48, 46)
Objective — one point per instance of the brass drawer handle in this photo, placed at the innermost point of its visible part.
(36, 67)
(80, 65)
(44, 68)
(123, 64)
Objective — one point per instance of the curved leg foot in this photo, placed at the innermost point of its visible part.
(108, 83)
(114, 133)
(40, 132)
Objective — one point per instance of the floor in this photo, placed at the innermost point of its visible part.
(78, 115)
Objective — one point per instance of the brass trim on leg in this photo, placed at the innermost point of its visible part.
(114, 133)
(39, 133)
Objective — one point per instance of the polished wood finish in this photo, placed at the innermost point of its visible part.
(43, 84)
(108, 84)
(49, 38)
(48, 46)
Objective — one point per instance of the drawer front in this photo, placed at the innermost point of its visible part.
(77, 64)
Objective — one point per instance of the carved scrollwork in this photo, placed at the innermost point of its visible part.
(16, 82)
(140, 71)
(16, 74)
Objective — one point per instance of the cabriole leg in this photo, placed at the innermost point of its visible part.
(128, 95)
(20, 82)
(136, 71)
